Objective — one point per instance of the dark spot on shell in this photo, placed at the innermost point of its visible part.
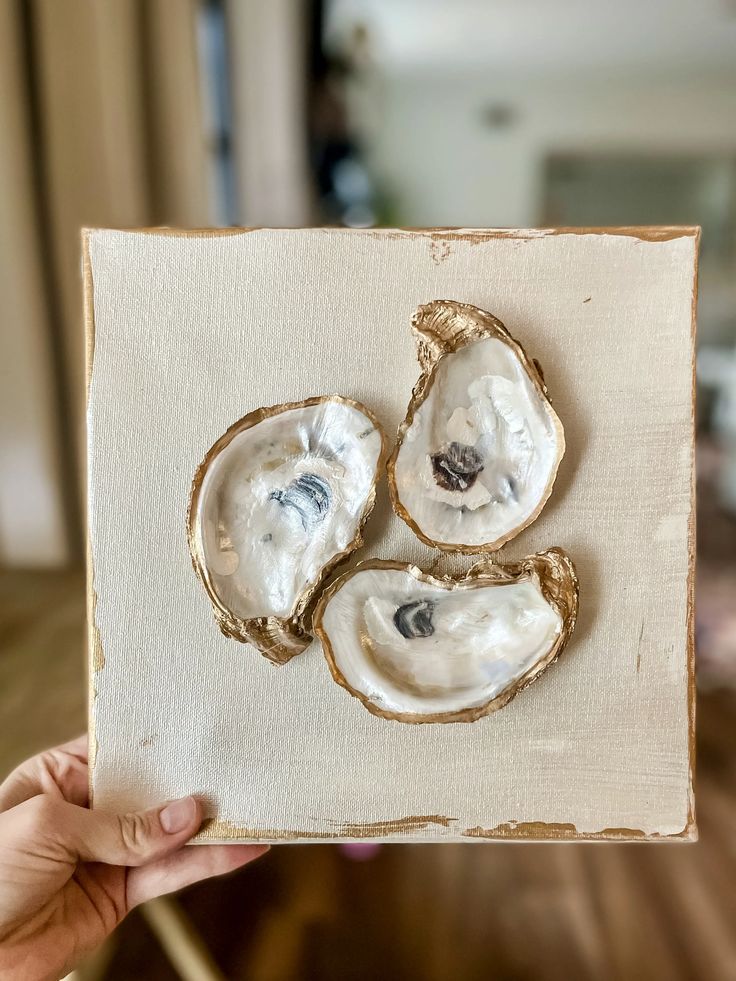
(415, 619)
(457, 466)
(309, 495)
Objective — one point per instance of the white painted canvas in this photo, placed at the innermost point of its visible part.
(190, 331)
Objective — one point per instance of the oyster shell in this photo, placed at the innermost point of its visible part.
(278, 501)
(416, 648)
(478, 451)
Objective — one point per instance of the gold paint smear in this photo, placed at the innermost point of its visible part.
(543, 831)
(95, 653)
(168, 232)
(523, 829)
(397, 826)
(218, 830)
(476, 236)
(214, 830)
(645, 233)
(89, 310)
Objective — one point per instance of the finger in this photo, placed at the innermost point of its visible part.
(186, 867)
(52, 827)
(79, 747)
(60, 772)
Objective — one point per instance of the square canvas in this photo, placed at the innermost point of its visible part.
(189, 331)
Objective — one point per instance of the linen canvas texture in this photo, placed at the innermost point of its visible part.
(187, 332)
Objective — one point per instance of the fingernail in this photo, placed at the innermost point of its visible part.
(178, 815)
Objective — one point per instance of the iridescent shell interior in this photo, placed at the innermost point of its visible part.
(419, 649)
(478, 452)
(280, 501)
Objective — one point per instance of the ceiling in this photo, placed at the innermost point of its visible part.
(548, 36)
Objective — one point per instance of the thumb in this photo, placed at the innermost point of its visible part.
(99, 836)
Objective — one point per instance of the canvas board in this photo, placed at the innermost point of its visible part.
(189, 331)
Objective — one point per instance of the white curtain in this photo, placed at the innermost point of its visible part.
(267, 47)
(102, 122)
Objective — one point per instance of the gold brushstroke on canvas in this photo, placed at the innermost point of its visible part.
(551, 831)
(214, 829)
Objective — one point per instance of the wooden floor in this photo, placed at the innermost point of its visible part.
(496, 911)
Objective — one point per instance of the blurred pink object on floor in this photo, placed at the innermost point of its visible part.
(360, 852)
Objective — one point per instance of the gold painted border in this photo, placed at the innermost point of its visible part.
(95, 654)
(409, 830)
(559, 584)
(644, 233)
(277, 638)
(691, 829)
(223, 830)
(441, 328)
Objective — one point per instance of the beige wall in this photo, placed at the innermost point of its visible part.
(430, 146)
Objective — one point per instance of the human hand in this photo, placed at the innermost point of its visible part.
(69, 875)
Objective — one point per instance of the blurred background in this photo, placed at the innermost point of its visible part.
(367, 112)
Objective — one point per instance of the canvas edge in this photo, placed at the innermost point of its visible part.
(645, 233)
(95, 657)
(691, 828)
(224, 831)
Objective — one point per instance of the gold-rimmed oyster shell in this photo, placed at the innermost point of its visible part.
(278, 501)
(477, 454)
(416, 648)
